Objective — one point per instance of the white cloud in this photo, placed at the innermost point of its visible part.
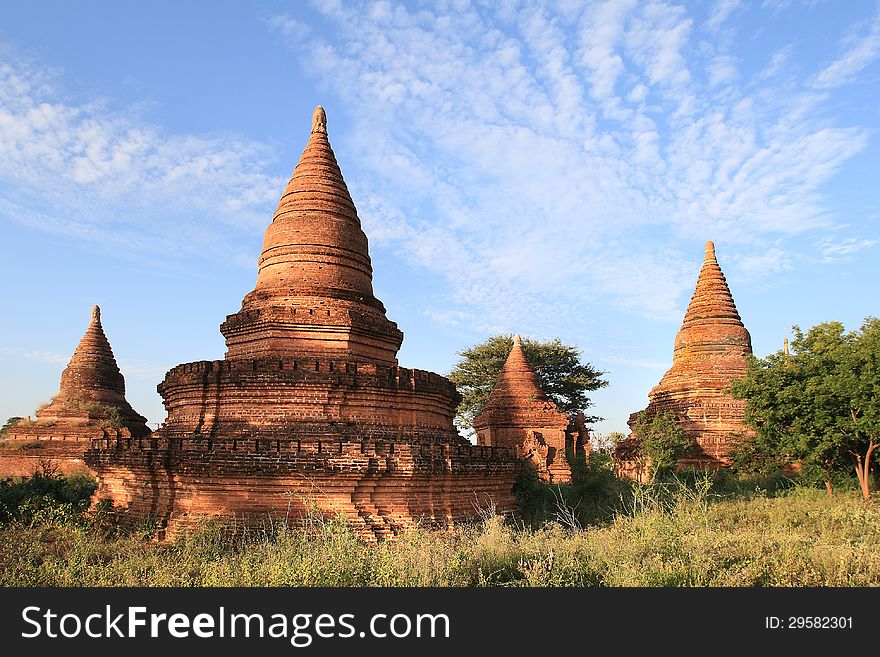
(762, 264)
(778, 62)
(861, 50)
(102, 174)
(722, 70)
(600, 32)
(835, 249)
(41, 356)
(542, 162)
(655, 40)
(721, 13)
(291, 28)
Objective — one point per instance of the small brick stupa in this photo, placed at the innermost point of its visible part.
(711, 348)
(309, 409)
(518, 415)
(90, 404)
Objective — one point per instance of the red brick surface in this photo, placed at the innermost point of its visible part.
(711, 348)
(309, 408)
(91, 386)
(518, 415)
(314, 292)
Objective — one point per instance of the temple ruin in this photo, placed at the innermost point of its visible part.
(711, 348)
(519, 416)
(309, 411)
(90, 404)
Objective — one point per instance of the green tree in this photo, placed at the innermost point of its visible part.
(11, 422)
(661, 441)
(562, 375)
(607, 442)
(819, 406)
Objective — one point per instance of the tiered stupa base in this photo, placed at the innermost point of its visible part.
(709, 416)
(255, 443)
(380, 488)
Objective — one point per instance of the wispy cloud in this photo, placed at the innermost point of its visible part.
(836, 249)
(543, 161)
(760, 266)
(635, 362)
(41, 356)
(721, 12)
(860, 49)
(103, 174)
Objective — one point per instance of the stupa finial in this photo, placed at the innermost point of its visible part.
(96, 313)
(319, 120)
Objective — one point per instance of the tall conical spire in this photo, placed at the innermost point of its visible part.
(92, 370)
(91, 384)
(711, 323)
(314, 291)
(315, 243)
(710, 349)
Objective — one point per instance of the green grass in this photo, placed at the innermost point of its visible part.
(679, 534)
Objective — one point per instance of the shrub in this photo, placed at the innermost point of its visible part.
(45, 496)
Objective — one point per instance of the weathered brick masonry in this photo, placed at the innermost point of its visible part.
(309, 409)
(90, 404)
(711, 348)
(518, 415)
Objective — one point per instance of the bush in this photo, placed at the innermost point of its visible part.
(594, 495)
(45, 496)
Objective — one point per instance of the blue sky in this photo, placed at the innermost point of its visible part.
(552, 169)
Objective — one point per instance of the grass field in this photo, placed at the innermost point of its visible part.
(678, 535)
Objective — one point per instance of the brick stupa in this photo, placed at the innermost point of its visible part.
(90, 404)
(519, 416)
(711, 348)
(309, 408)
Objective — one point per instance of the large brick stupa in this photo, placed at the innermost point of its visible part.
(711, 349)
(309, 408)
(90, 404)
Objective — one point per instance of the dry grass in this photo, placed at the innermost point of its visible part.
(682, 538)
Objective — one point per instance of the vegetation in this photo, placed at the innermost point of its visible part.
(659, 442)
(45, 497)
(11, 422)
(680, 533)
(817, 408)
(107, 412)
(563, 377)
(594, 496)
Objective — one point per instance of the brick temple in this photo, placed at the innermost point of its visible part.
(90, 404)
(309, 409)
(711, 348)
(519, 416)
